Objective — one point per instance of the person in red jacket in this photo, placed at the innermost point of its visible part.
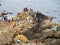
(37, 41)
(9, 20)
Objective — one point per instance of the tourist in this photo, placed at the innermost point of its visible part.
(14, 24)
(12, 19)
(37, 20)
(37, 41)
(17, 20)
(31, 12)
(9, 20)
(5, 18)
(28, 19)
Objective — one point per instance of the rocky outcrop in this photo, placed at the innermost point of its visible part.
(21, 38)
(46, 24)
(48, 33)
(4, 13)
(58, 26)
(30, 29)
(57, 34)
(56, 42)
(5, 38)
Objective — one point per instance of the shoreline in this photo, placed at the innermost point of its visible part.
(26, 30)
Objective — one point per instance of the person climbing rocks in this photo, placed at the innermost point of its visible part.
(37, 41)
(14, 24)
(39, 16)
(31, 12)
(28, 19)
(5, 18)
(17, 20)
(31, 9)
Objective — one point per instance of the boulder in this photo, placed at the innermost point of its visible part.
(5, 38)
(46, 24)
(48, 40)
(21, 38)
(37, 35)
(57, 34)
(58, 26)
(50, 17)
(48, 33)
(56, 42)
(48, 43)
(4, 13)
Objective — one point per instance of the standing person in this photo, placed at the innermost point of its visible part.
(17, 20)
(37, 41)
(37, 20)
(38, 16)
(28, 19)
(12, 19)
(9, 20)
(14, 24)
(5, 18)
(31, 12)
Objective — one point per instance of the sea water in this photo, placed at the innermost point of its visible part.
(47, 7)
